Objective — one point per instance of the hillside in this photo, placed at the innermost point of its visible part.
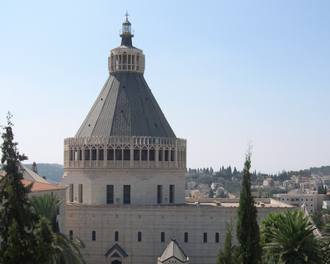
(52, 172)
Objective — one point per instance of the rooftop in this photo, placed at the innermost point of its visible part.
(125, 107)
(39, 186)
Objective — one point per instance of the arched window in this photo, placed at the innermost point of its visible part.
(162, 237)
(216, 237)
(116, 236)
(93, 235)
(186, 237)
(205, 238)
(139, 236)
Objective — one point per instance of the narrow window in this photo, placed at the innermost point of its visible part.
(71, 234)
(162, 237)
(93, 154)
(71, 188)
(109, 194)
(186, 237)
(80, 154)
(127, 194)
(160, 155)
(80, 193)
(172, 155)
(159, 194)
(87, 152)
(139, 236)
(216, 237)
(144, 154)
(166, 155)
(119, 154)
(110, 154)
(127, 154)
(58, 209)
(101, 154)
(116, 236)
(171, 194)
(151, 154)
(136, 154)
(93, 235)
(205, 238)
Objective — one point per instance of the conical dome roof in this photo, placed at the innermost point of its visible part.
(125, 107)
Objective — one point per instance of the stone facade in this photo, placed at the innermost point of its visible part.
(199, 228)
(144, 184)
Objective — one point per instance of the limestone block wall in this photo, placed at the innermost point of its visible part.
(151, 221)
(143, 185)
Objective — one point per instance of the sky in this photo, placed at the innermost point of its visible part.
(224, 73)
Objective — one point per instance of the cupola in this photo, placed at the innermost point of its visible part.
(126, 58)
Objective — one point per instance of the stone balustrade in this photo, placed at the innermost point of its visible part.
(124, 152)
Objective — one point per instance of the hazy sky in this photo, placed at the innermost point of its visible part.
(223, 72)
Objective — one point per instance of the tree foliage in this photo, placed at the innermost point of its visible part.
(70, 248)
(288, 237)
(322, 189)
(228, 255)
(27, 238)
(247, 229)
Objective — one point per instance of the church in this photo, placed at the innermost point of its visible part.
(125, 176)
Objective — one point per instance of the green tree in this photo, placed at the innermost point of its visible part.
(27, 238)
(228, 256)
(247, 230)
(289, 237)
(211, 193)
(47, 206)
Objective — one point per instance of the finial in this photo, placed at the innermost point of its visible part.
(126, 15)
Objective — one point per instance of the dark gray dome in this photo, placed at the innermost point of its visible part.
(125, 107)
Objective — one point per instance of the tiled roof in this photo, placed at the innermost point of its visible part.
(39, 186)
(125, 107)
(173, 250)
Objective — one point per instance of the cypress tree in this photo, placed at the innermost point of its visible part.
(228, 256)
(26, 237)
(247, 230)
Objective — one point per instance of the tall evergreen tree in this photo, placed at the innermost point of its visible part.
(211, 193)
(26, 237)
(247, 230)
(228, 256)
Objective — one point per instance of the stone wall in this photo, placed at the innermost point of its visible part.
(151, 221)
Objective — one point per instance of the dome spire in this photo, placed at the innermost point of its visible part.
(126, 35)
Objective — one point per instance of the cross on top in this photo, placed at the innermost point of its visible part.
(126, 15)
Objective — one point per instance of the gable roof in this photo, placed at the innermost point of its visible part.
(173, 250)
(29, 174)
(125, 107)
(118, 249)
